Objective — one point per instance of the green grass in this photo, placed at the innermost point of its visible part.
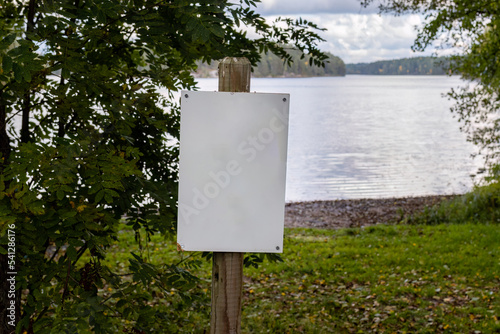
(382, 279)
(414, 279)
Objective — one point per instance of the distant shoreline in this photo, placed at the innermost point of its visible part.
(273, 67)
(342, 76)
(404, 66)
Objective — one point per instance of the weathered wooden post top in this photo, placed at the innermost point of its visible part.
(233, 150)
(234, 75)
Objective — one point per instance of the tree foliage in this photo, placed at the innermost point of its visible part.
(472, 29)
(88, 135)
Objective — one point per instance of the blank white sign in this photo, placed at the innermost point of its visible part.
(233, 150)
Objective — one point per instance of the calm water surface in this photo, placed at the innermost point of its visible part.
(371, 136)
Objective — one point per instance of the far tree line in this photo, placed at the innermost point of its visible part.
(405, 66)
(271, 66)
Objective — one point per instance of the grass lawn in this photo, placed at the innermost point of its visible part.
(380, 279)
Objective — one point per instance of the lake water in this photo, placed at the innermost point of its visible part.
(371, 137)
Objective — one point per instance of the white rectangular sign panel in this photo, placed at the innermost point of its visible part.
(233, 150)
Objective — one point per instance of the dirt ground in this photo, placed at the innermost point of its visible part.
(355, 213)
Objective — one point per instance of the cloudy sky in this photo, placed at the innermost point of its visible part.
(354, 33)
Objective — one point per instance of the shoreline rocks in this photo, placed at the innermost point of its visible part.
(357, 212)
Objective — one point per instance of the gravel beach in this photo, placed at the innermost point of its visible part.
(355, 213)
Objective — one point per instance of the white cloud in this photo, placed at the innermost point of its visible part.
(353, 33)
(290, 7)
(366, 38)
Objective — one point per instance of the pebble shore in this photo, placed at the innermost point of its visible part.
(356, 213)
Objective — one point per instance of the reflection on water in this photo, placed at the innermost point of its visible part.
(371, 136)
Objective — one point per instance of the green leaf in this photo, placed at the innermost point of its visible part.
(60, 194)
(71, 252)
(7, 41)
(100, 195)
(217, 30)
(27, 76)
(67, 213)
(6, 63)
(18, 72)
(108, 198)
(121, 302)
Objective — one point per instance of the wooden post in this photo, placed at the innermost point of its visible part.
(227, 289)
(234, 75)
(227, 267)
